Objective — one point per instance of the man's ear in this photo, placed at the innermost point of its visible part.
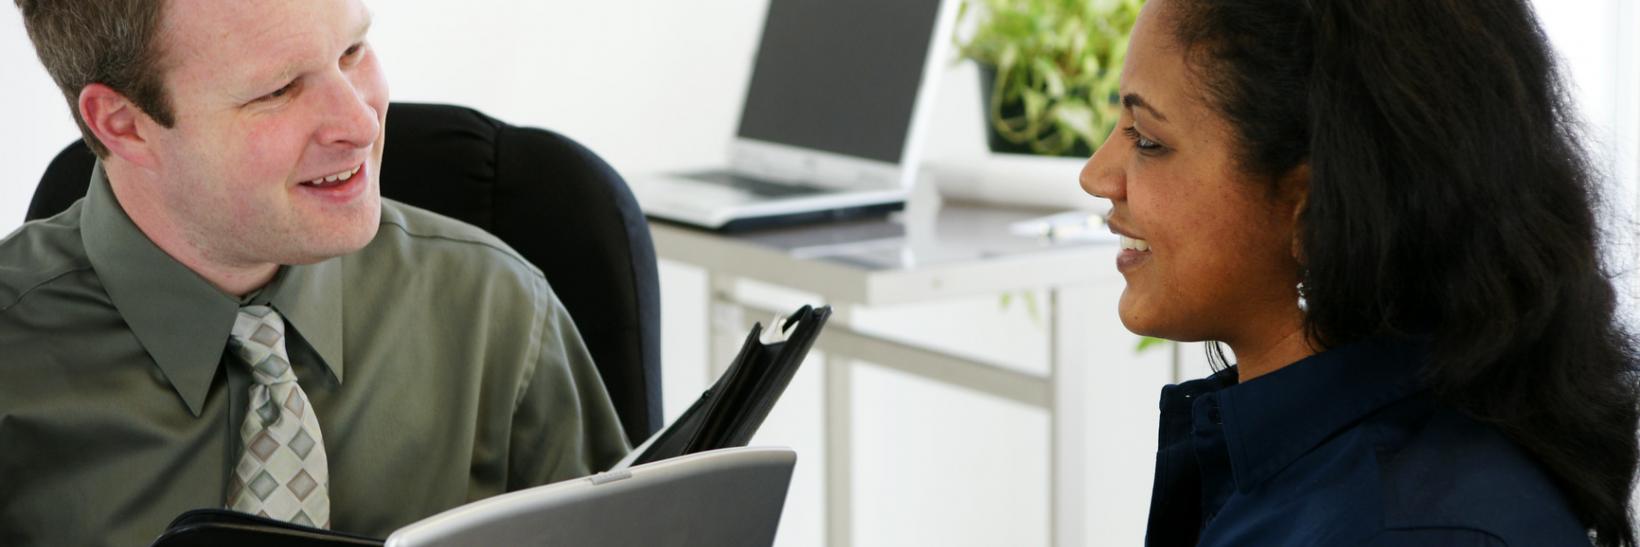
(1295, 187)
(122, 127)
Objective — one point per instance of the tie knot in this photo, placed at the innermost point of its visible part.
(258, 338)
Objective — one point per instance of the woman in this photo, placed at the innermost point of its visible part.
(1384, 209)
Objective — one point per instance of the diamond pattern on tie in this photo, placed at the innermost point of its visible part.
(283, 473)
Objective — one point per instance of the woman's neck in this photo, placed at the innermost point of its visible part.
(1271, 353)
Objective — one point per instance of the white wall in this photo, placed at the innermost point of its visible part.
(1598, 44)
(656, 85)
(34, 120)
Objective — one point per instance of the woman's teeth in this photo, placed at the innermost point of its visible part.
(1131, 244)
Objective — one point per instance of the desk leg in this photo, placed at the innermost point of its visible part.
(1068, 362)
(726, 320)
(839, 397)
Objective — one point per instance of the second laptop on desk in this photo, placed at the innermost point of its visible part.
(832, 122)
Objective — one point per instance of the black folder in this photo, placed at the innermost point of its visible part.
(725, 416)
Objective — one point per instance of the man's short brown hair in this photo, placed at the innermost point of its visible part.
(111, 42)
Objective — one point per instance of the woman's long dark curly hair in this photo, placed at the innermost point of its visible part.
(1451, 199)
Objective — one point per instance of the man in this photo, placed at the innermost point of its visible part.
(233, 267)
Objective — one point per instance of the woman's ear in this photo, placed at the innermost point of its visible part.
(1295, 190)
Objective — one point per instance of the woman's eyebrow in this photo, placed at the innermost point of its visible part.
(1131, 101)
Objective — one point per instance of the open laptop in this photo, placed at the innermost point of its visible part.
(833, 118)
(730, 498)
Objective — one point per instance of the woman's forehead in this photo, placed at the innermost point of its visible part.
(1156, 69)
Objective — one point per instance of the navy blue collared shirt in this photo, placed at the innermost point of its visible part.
(1343, 448)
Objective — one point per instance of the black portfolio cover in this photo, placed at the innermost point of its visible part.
(727, 414)
(732, 410)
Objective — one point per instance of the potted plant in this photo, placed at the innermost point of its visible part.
(1049, 70)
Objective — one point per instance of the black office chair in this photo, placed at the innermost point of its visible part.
(548, 197)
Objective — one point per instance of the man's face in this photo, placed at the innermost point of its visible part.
(271, 96)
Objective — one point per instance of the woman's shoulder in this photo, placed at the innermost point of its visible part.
(1446, 473)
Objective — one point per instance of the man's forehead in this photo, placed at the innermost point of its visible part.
(251, 38)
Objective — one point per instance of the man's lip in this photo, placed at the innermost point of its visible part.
(359, 164)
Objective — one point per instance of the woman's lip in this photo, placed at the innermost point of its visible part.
(1129, 259)
(1118, 229)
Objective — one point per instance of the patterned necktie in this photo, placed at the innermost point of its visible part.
(283, 473)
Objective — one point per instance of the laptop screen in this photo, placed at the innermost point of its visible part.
(839, 76)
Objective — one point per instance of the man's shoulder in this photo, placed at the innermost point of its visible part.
(426, 235)
(38, 253)
(420, 250)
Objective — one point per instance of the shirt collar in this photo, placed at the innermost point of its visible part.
(1271, 421)
(310, 298)
(180, 319)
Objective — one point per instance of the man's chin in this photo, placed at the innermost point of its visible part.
(340, 241)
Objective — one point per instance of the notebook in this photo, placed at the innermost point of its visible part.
(832, 121)
(728, 498)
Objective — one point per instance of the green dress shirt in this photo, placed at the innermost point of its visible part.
(442, 367)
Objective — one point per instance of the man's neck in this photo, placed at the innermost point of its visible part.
(131, 193)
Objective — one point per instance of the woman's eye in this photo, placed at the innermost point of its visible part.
(1139, 141)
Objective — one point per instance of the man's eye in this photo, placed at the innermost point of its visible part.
(281, 92)
(352, 50)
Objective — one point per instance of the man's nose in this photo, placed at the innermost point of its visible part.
(349, 117)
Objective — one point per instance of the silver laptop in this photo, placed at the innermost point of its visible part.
(729, 498)
(833, 118)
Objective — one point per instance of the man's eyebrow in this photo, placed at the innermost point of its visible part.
(290, 71)
(1131, 101)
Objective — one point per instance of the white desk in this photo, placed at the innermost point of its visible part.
(951, 251)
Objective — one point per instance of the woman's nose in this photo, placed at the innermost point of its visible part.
(1102, 176)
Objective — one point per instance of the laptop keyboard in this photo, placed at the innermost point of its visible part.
(758, 187)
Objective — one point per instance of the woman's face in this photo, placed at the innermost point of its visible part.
(1207, 250)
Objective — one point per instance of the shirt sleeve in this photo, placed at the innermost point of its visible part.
(565, 425)
(1435, 537)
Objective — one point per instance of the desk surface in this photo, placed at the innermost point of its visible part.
(942, 251)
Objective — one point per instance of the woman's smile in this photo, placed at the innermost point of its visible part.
(1135, 252)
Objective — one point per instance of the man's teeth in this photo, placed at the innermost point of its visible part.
(344, 175)
(1131, 244)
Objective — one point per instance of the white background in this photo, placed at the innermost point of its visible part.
(656, 85)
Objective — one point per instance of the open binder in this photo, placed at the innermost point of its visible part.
(725, 416)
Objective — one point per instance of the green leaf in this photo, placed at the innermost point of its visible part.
(1052, 81)
(1035, 103)
(1146, 342)
(1078, 117)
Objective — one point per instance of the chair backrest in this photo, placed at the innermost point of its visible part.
(554, 201)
